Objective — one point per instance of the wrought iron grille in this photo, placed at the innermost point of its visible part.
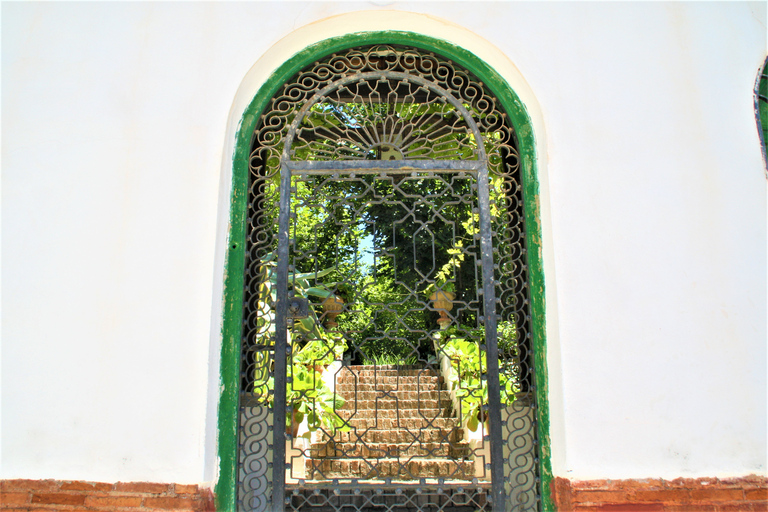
(386, 361)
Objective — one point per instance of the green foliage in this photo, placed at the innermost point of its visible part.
(312, 349)
(445, 278)
(386, 359)
(468, 361)
(308, 394)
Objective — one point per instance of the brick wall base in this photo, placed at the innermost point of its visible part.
(77, 496)
(655, 495)
(747, 494)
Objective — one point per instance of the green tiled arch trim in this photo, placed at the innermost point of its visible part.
(235, 257)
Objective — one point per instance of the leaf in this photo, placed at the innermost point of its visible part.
(318, 291)
(472, 423)
(315, 275)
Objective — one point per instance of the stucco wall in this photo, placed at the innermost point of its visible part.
(118, 123)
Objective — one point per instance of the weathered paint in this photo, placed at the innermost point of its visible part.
(230, 358)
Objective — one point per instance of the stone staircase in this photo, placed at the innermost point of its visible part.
(402, 429)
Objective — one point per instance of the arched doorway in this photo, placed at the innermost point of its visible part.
(385, 182)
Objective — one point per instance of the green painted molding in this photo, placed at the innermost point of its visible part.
(226, 499)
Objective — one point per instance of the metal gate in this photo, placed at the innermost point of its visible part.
(386, 361)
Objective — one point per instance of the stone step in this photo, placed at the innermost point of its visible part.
(407, 423)
(404, 469)
(349, 413)
(385, 450)
(397, 436)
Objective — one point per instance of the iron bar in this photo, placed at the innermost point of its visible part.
(281, 346)
(378, 166)
(491, 347)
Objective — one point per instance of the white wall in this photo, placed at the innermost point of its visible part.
(115, 127)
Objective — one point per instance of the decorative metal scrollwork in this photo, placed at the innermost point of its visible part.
(384, 150)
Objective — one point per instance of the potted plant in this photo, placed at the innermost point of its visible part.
(442, 291)
(332, 306)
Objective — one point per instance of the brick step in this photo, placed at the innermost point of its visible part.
(407, 423)
(350, 379)
(382, 404)
(349, 413)
(387, 370)
(386, 450)
(391, 396)
(382, 500)
(397, 436)
(409, 469)
(379, 387)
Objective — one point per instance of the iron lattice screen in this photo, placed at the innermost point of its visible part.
(387, 384)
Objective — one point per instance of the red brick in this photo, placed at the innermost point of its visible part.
(170, 503)
(57, 509)
(561, 494)
(665, 495)
(756, 494)
(736, 507)
(85, 486)
(13, 498)
(717, 494)
(645, 484)
(142, 487)
(714, 482)
(58, 498)
(68, 509)
(186, 489)
(591, 484)
(698, 507)
(582, 508)
(755, 479)
(632, 507)
(582, 496)
(209, 500)
(700, 483)
(113, 501)
(29, 485)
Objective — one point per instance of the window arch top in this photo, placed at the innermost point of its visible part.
(383, 115)
(384, 102)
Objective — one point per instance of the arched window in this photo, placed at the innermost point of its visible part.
(386, 349)
(761, 108)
